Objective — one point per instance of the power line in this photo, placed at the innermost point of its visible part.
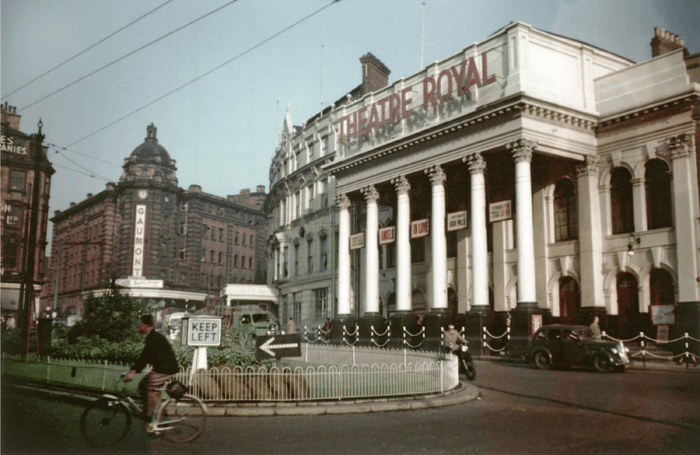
(85, 50)
(127, 55)
(81, 167)
(58, 147)
(80, 172)
(205, 74)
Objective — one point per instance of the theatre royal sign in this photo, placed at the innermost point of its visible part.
(450, 89)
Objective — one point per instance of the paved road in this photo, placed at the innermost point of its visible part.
(521, 411)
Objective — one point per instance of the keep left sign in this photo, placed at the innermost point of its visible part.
(202, 331)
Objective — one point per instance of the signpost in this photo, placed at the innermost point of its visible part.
(200, 331)
(278, 346)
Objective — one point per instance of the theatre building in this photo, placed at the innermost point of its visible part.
(529, 177)
(177, 247)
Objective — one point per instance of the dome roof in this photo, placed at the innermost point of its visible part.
(149, 162)
(150, 150)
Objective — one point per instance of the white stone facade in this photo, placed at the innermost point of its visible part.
(584, 144)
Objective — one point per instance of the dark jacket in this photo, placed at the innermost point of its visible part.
(157, 353)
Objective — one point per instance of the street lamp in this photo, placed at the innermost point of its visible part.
(633, 239)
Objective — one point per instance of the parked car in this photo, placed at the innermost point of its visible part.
(574, 345)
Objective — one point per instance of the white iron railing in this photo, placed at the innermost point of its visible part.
(329, 373)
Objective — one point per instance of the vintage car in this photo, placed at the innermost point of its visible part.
(574, 345)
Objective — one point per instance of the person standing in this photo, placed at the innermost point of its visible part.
(291, 327)
(160, 355)
(595, 328)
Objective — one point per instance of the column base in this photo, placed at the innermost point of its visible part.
(475, 320)
(401, 320)
(687, 321)
(341, 324)
(526, 318)
(435, 322)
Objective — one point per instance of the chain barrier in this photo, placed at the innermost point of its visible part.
(353, 334)
(406, 343)
(683, 357)
(379, 335)
(486, 335)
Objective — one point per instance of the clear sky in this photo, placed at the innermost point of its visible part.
(221, 127)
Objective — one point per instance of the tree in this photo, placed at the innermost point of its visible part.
(113, 316)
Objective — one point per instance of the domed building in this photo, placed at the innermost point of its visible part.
(178, 247)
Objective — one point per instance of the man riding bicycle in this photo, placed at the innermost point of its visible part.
(160, 355)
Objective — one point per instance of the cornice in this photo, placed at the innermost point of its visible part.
(647, 113)
(514, 106)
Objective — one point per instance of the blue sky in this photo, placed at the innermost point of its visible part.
(221, 129)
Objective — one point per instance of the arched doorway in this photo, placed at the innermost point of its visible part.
(627, 307)
(569, 300)
(661, 288)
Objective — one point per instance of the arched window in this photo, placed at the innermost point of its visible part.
(658, 194)
(565, 211)
(661, 287)
(621, 199)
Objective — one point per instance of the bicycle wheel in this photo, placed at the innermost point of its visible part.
(105, 422)
(183, 418)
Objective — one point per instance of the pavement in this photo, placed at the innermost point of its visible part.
(464, 392)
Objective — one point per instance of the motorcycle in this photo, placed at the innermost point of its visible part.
(466, 363)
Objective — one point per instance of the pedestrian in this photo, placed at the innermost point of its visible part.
(159, 354)
(291, 327)
(10, 324)
(595, 328)
(327, 328)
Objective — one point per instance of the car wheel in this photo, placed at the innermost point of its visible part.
(601, 363)
(542, 360)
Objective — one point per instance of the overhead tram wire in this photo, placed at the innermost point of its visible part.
(85, 50)
(80, 172)
(80, 166)
(59, 148)
(203, 75)
(126, 56)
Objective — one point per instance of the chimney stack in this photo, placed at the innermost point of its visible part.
(664, 42)
(375, 74)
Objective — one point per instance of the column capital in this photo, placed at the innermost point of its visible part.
(522, 149)
(475, 162)
(588, 167)
(680, 146)
(343, 201)
(436, 174)
(638, 182)
(370, 193)
(401, 184)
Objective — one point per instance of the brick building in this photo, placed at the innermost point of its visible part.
(19, 161)
(149, 232)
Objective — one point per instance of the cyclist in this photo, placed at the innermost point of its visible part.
(159, 354)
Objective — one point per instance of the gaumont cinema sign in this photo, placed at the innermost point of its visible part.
(395, 107)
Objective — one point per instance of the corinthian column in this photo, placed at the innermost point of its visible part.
(522, 155)
(403, 244)
(480, 274)
(685, 206)
(371, 252)
(343, 255)
(437, 237)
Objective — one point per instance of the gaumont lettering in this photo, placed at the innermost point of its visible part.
(137, 265)
(396, 107)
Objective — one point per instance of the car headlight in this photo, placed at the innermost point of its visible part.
(613, 350)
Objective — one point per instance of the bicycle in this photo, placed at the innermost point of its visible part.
(107, 420)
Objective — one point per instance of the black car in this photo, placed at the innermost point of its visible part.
(575, 345)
